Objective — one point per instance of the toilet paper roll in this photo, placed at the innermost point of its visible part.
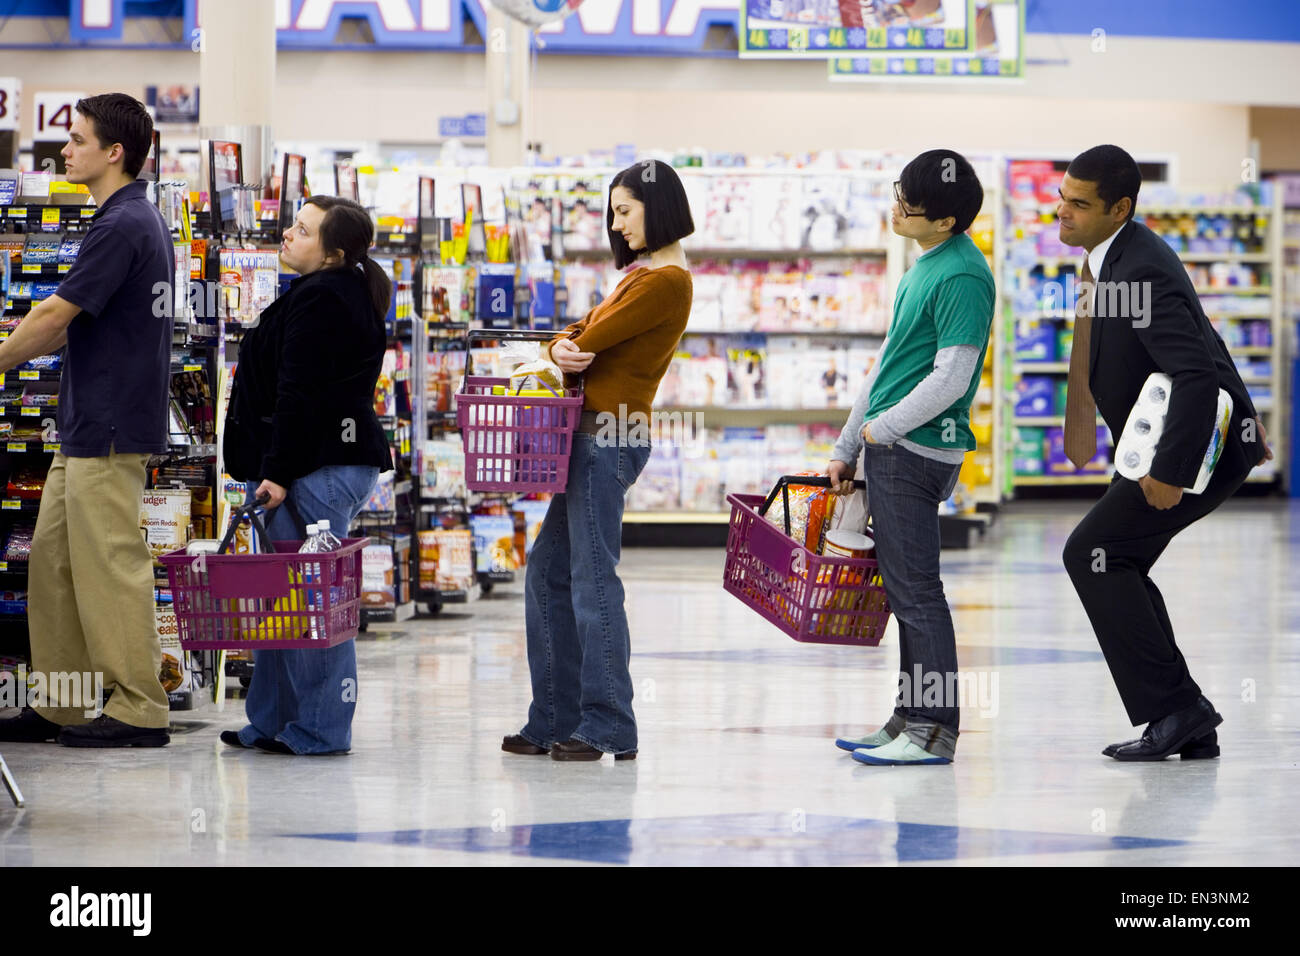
(1137, 446)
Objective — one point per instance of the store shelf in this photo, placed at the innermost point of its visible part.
(835, 333)
(1040, 421)
(1032, 368)
(1238, 316)
(20, 505)
(697, 253)
(1250, 349)
(25, 376)
(1030, 481)
(677, 517)
(765, 416)
(1260, 257)
(29, 447)
(38, 412)
(13, 567)
(1233, 290)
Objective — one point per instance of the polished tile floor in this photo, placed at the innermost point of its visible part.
(737, 764)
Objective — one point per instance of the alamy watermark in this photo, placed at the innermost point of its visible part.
(1108, 299)
(19, 688)
(636, 429)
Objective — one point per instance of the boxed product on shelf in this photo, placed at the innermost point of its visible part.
(444, 468)
(1058, 464)
(12, 602)
(1035, 396)
(10, 185)
(69, 249)
(1029, 447)
(165, 519)
(174, 673)
(378, 585)
(494, 542)
(382, 499)
(249, 283)
(42, 249)
(27, 481)
(533, 513)
(18, 547)
(1036, 343)
(746, 356)
(33, 398)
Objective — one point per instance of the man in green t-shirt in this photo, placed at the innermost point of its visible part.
(912, 418)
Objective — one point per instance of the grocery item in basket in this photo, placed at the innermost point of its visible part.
(811, 508)
(840, 543)
(540, 375)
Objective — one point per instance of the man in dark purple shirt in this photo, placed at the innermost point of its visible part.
(90, 590)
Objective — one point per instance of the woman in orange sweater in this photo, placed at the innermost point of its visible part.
(578, 640)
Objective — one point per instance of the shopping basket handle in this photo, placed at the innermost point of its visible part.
(248, 511)
(521, 335)
(813, 481)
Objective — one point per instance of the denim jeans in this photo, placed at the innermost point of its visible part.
(905, 490)
(297, 695)
(578, 641)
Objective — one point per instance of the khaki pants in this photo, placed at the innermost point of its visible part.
(90, 589)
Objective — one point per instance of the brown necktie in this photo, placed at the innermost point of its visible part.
(1080, 409)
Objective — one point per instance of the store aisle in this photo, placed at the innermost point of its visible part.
(737, 763)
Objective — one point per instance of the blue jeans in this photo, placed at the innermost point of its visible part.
(905, 490)
(302, 696)
(579, 646)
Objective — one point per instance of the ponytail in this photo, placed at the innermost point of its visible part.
(379, 285)
(348, 228)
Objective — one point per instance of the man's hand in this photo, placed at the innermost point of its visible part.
(841, 475)
(569, 357)
(1263, 440)
(866, 435)
(277, 493)
(1159, 495)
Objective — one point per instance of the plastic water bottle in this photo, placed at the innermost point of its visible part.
(310, 576)
(328, 542)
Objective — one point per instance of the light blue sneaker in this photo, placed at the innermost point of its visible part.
(893, 727)
(901, 750)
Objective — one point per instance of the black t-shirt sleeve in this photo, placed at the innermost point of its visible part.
(104, 262)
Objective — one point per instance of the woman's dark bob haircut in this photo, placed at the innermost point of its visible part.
(667, 213)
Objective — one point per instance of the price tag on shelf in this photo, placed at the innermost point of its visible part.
(65, 267)
(193, 368)
(29, 375)
(17, 446)
(31, 267)
(50, 216)
(87, 212)
(4, 565)
(53, 445)
(17, 212)
(30, 411)
(13, 504)
(396, 237)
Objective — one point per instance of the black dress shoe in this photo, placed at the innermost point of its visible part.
(28, 727)
(1170, 734)
(577, 750)
(272, 746)
(1205, 748)
(231, 737)
(515, 744)
(106, 731)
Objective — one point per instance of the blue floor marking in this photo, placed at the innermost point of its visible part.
(748, 839)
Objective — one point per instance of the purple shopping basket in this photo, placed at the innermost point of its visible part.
(515, 443)
(266, 601)
(814, 598)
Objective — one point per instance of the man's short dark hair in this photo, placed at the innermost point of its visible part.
(1114, 171)
(667, 213)
(943, 183)
(119, 118)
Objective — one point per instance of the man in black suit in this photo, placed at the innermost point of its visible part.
(1141, 315)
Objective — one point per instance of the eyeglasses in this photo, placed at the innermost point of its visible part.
(898, 198)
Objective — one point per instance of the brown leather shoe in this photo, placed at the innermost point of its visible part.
(514, 744)
(577, 750)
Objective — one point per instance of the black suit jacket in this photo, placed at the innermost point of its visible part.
(304, 389)
(1148, 319)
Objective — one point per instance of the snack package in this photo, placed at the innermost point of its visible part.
(811, 509)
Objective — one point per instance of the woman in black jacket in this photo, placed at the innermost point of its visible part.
(302, 426)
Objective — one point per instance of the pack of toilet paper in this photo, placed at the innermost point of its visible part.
(1146, 423)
